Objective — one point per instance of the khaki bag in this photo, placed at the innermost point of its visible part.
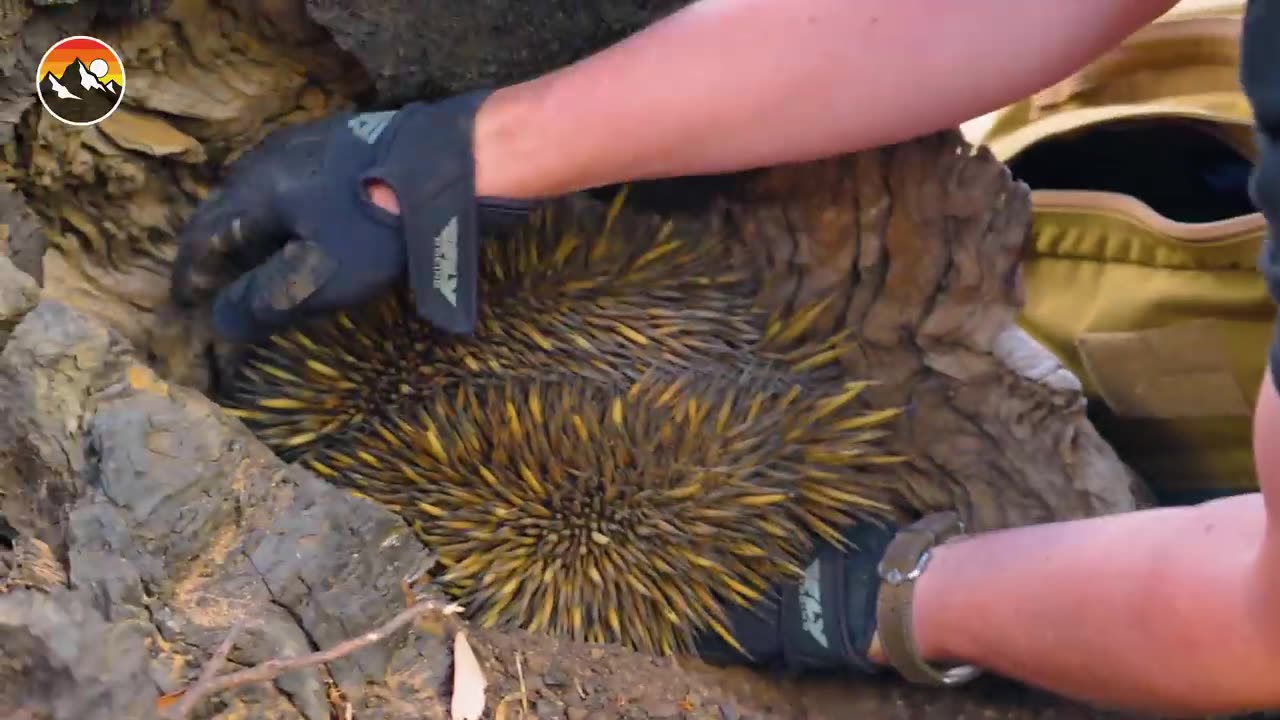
(1142, 270)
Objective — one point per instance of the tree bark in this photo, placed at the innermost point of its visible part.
(919, 244)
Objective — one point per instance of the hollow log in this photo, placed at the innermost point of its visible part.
(139, 522)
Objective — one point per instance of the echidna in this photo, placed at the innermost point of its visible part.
(627, 443)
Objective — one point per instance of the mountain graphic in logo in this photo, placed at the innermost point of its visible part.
(81, 80)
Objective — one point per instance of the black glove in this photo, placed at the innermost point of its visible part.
(824, 622)
(294, 213)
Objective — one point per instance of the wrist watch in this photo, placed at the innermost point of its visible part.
(904, 560)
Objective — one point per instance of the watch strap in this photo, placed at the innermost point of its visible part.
(904, 560)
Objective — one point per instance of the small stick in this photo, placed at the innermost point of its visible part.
(272, 669)
(524, 692)
(207, 675)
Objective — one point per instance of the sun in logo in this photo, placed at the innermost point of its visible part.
(80, 80)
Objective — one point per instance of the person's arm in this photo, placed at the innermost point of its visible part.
(724, 85)
(1172, 610)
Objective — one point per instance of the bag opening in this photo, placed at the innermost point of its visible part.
(1180, 168)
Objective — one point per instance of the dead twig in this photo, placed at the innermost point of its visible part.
(207, 674)
(272, 669)
(524, 691)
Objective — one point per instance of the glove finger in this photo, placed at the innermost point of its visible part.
(240, 226)
(274, 295)
(231, 225)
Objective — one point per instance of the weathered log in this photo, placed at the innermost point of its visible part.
(171, 521)
(919, 245)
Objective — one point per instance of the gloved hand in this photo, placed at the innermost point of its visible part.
(824, 622)
(294, 214)
(827, 621)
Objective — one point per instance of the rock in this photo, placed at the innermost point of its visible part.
(18, 294)
(22, 239)
(31, 564)
(178, 522)
(64, 662)
(555, 678)
(548, 710)
(415, 49)
(54, 361)
(151, 136)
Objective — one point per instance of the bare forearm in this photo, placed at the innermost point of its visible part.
(1164, 610)
(732, 84)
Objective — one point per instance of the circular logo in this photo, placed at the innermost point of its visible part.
(80, 80)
